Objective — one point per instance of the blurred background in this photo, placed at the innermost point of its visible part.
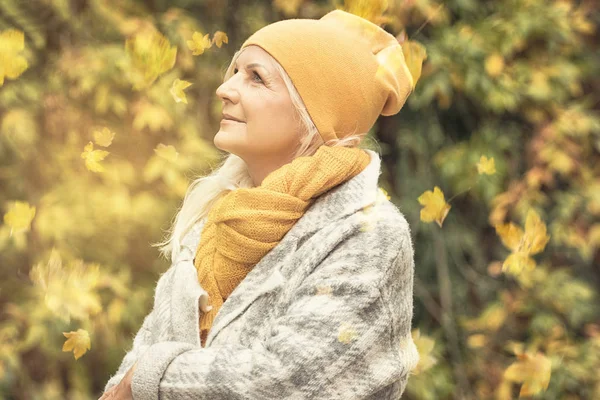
(108, 111)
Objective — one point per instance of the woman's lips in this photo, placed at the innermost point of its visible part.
(231, 120)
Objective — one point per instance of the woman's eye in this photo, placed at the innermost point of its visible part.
(258, 76)
(255, 74)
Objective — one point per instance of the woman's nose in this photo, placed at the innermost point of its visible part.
(227, 90)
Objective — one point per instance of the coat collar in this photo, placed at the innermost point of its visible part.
(339, 202)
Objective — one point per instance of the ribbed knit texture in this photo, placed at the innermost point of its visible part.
(347, 69)
(247, 223)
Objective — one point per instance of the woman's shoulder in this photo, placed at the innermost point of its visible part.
(189, 242)
(382, 218)
(192, 236)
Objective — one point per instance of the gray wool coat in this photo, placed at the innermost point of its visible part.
(326, 314)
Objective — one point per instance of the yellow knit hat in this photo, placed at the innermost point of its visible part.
(347, 70)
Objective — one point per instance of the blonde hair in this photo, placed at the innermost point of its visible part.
(232, 172)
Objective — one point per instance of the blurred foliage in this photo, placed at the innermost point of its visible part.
(107, 111)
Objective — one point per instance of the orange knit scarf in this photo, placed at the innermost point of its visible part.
(246, 223)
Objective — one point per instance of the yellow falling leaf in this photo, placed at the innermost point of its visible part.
(199, 43)
(424, 345)
(346, 333)
(382, 194)
(19, 216)
(539, 85)
(532, 241)
(392, 61)
(323, 290)
(523, 244)
(93, 157)
(372, 10)
(369, 215)
(581, 23)
(535, 237)
(167, 152)
(491, 319)
(152, 116)
(494, 64)
(104, 137)
(476, 341)
(435, 206)
(510, 235)
(177, 90)
(414, 55)
(68, 292)
(12, 65)
(115, 311)
(150, 54)
(78, 342)
(486, 166)
(219, 38)
(517, 263)
(533, 370)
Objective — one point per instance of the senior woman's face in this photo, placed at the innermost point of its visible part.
(256, 95)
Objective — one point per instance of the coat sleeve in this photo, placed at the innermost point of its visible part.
(141, 343)
(336, 340)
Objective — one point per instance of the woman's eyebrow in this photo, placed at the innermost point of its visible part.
(254, 65)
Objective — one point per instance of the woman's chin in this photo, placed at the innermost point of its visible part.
(224, 140)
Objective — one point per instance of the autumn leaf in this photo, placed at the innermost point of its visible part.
(78, 342)
(177, 90)
(510, 235)
(369, 213)
(68, 292)
(12, 65)
(167, 152)
(476, 341)
(581, 23)
(494, 64)
(523, 244)
(115, 311)
(382, 194)
(323, 290)
(391, 61)
(150, 55)
(535, 237)
(405, 61)
(557, 159)
(486, 166)
(424, 345)
(539, 85)
(199, 43)
(414, 55)
(491, 319)
(19, 216)
(93, 157)
(152, 116)
(435, 206)
(104, 137)
(533, 370)
(517, 263)
(219, 38)
(372, 10)
(346, 333)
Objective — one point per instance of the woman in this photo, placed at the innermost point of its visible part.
(294, 276)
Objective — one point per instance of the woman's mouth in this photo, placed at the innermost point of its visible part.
(231, 120)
